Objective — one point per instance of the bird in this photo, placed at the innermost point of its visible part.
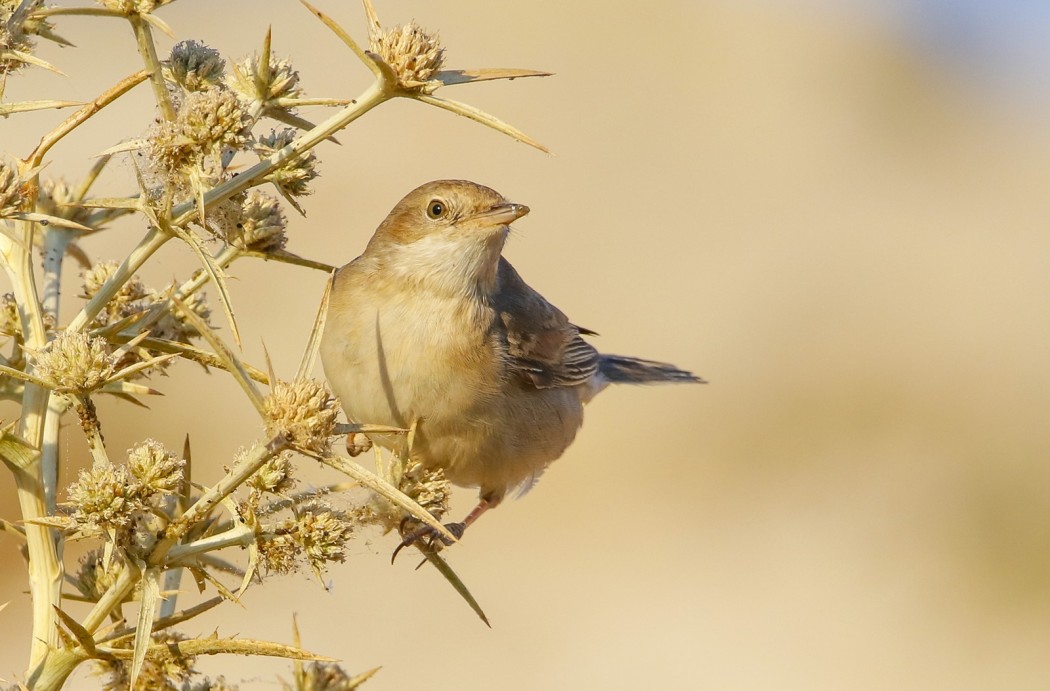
(431, 328)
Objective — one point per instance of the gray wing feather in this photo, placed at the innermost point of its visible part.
(542, 346)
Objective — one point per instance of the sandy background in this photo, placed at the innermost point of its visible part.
(830, 215)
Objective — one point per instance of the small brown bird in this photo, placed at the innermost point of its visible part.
(432, 326)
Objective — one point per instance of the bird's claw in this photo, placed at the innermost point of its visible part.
(430, 536)
(357, 444)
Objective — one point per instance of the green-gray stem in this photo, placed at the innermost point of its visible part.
(45, 570)
(152, 241)
(148, 51)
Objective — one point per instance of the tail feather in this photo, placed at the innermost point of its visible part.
(630, 370)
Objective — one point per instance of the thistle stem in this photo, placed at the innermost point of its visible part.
(49, 453)
(112, 598)
(55, 242)
(81, 116)
(148, 51)
(45, 570)
(152, 241)
(223, 259)
(239, 535)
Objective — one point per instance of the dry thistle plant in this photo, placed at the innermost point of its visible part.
(148, 522)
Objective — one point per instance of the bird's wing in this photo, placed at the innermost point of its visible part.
(542, 346)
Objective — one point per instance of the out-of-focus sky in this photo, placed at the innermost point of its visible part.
(835, 212)
(995, 48)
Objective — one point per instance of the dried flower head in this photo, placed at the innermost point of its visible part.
(175, 327)
(15, 29)
(214, 119)
(157, 470)
(207, 123)
(74, 362)
(246, 81)
(131, 6)
(194, 66)
(165, 668)
(96, 277)
(295, 174)
(105, 498)
(427, 486)
(326, 676)
(11, 193)
(261, 226)
(323, 533)
(10, 325)
(95, 576)
(225, 215)
(57, 198)
(304, 411)
(278, 552)
(274, 476)
(414, 54)
(208, 684)
(143, 532)
(127, 301)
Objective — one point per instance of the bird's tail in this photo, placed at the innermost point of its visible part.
(630, 370)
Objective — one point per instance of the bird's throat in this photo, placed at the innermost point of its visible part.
(449, 265)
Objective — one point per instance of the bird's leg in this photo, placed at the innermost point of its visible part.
(432, 536)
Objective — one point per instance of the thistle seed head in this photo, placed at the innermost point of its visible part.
(283, 80)
(57, 198)
(195, 67)
(323, 533)
(304, 411)
(278, 552)
(157, 470)
(128, 300)
(105, 498)
(325, 676)
(128, 7)
(175, 327)
(164, 667)
(428, 487)
(74, 362)
(294, 176)
(11, 192)
(10, 324)
(275, 475)
(261, 226)
(93, 577)
(15, 33)
(214, 119)
(414, 54)
(207, 123)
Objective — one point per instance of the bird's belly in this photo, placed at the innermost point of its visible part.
(483, 429)
(505, 444)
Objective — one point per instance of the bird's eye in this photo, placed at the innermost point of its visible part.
(436, 208)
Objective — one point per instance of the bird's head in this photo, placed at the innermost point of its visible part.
(445, 231)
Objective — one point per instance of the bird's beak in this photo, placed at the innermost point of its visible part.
(502, 214)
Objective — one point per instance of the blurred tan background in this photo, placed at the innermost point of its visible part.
(835, 212)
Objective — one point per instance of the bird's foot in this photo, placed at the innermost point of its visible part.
(430, 537)
(357, 444)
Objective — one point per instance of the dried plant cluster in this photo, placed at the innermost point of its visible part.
(148, 521)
